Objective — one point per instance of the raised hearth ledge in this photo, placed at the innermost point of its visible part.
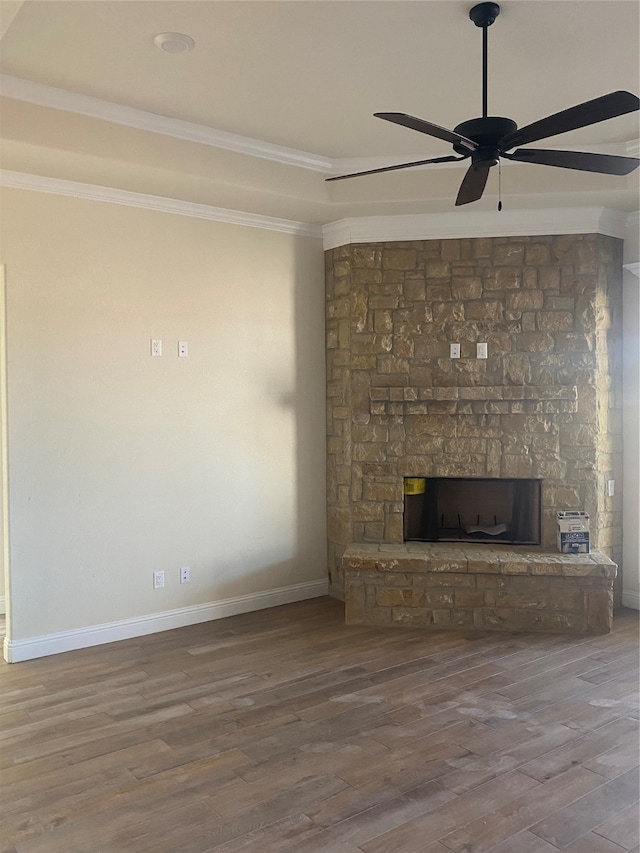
(436, 585)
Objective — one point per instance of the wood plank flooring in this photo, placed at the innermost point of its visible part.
(285, 731)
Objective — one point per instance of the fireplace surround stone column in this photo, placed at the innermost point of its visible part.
(545, 403)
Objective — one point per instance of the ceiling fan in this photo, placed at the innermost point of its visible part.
(485, 140)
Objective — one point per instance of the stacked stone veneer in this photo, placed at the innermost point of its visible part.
(544, 404)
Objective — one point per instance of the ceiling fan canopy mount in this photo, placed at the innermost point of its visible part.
(484, 14)
(485, 140)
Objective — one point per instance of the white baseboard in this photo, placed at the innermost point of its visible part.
(96, 635)
(631, 599)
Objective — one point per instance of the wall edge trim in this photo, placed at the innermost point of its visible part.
(16, 651)
(161, 204)
(368, 229)
(32, 92)
(631, 599)
(444, 226)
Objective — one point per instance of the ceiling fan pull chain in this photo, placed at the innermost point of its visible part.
(499, 186)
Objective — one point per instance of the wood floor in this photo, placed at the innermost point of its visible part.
(286, 732)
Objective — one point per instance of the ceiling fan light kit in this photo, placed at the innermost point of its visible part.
(485, 140)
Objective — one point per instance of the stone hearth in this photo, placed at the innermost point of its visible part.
(472, 586)
(545, 403)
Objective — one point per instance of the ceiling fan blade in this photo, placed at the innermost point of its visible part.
(428, 128)
(607, 164)
(591, 112)
(449, 159)
(473, 183)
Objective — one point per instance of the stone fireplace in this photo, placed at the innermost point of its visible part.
(543, 407)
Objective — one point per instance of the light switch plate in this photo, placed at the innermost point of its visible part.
(481, 350)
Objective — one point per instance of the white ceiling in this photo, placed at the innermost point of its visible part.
(308, 75)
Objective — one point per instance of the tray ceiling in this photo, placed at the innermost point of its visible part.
(304, 77)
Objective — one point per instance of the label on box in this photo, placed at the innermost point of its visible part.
(573, 542)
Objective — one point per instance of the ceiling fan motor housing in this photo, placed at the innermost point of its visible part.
(487, 133)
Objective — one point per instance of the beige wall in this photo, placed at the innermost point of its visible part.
(121, 464)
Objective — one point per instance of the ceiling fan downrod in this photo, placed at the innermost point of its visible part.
(483, 15)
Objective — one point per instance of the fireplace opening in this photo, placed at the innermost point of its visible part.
(454, 509)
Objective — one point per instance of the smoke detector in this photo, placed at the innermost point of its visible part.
(174, 42)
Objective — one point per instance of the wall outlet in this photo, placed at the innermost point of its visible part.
(156, 346)
(454, 350)
(183, 349)
(482, 350)
(185, 574)
(158, 580)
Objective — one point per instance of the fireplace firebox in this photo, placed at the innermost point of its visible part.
(454, 509)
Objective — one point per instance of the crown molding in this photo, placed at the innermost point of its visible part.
(55, 98)
(58, 186)
(367, 229)
(73, 102)
(444, 226)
